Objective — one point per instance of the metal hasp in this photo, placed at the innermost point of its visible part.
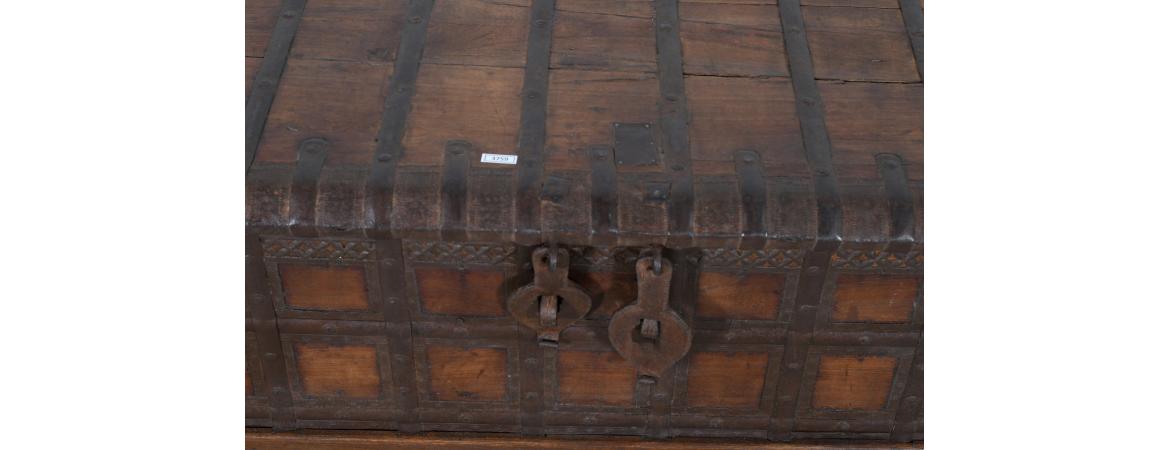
(647, 333)
(551, 302)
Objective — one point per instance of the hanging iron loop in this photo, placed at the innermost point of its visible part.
(648, 333)
(551, 302)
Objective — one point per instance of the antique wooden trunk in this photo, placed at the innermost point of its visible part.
(605, 217)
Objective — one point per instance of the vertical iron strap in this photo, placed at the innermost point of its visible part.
(268, 78)
(532, 362)
(302, 203)
(818, 153)
(396, 315)
(753, 199)
(906, 425)
(533, 114)
(268, 336)
(901, 203)
(380, 185)
(453, 201)
(912, 17)
(604, 193)
(674, 123)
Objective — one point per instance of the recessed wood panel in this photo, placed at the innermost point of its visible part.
(853, 382)
(610, 291)
(338, 101)
(584, 105)
(726, 379)
(603, 42)
(729, 40)
(728, 114)
(868, 118)
(350, 30)
(338, 370)
(594, 378)
(259, 19)
(730, 296)
(461, 292)
(480, 105)
(874, 298)
(478, 33)
(324, 288)
(467, 374)
(859, 44)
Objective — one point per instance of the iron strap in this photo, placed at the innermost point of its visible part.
(395, 111)
(533, 114)
(912, 17)
(396, 314)
(753, 199)
(302, 202)
(901, 203)
(263, 316)
(818, 153)
(604, 195)
(268, 78)
(453, 199)
(673, 122)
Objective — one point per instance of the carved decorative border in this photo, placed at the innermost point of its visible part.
(877, 260)
(753, 259)
(319, 249)
(465, 253)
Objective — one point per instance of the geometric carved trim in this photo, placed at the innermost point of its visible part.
(331, 250)
(753, 259)
(465, 253)
(877, 259)
(621, 257)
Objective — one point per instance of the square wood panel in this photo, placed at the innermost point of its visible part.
(753, 296)
(459, 373)
(853, 382)
(324, 288)
(720, 379)
(461, 292)
(349, 371)
(594, 378)
(876, 298)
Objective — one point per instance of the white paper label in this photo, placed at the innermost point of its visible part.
(492, 158)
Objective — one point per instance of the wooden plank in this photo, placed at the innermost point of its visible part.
(729, 114)
(892, 4)
(859, 44)
(732, 40)
(263, 439)
(597, 41)
(474, 104)
(337, 101)
(477, 33)
(869, 118)
(351, 30)
(259, 19)
(583, 106)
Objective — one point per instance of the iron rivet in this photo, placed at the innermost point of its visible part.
(645, 125)
(456, 151)
(277, 389)
(384, 157)
(415, 19)
(864, 340)
(530, 395)
(813, 270)
(540, 22)
(664, 27)
(289, 14)
(677, 167)
(822, 173)
(531, 361)
(270, 355)
(660, 395)
(533, 95)
(403, 390)
(400, 358)
(786, 398)
(671, 98)
(329, 328)
(793, 366)
(843, 425)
